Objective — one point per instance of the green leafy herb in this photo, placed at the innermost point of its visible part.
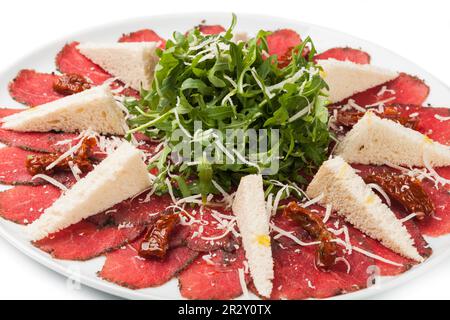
(226, 85)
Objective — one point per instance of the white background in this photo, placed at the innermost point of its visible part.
(417, 30)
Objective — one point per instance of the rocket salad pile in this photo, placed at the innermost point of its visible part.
(227, 85)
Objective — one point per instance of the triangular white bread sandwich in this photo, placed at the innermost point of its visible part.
(132, 62)
(342, 188)
(381, 141)
(120, 176)
(249, 207)
(346, 78)
(94, 109)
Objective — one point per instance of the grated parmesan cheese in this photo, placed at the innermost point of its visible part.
(50, 180)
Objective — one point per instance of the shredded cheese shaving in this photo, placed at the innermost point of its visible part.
(376, 187)
(242, 282)
(50, 180)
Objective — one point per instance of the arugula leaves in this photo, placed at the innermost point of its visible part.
(227, 85)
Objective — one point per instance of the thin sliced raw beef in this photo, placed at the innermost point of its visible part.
(208, 234)
(440, 224)
(24, 204)
(144, 35)
(375, 247)
(431, 121)
(211, 29)
(134, 211)
(179, 236)
(14, 172)
(406, 90)
(33, 88)
(70, 60)
(411, 225)
(281, 42)
(431, 226)
(126, 268)
(35, 141)
(213, 276)
(296, 276)
(4, 112)
(84, 241)
(343, 54)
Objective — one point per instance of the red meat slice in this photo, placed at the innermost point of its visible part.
(211, 29)
(430, 120)
(133, 211)
(296, 276)
(431, 226)
(4, 112)
(377, 248)
(213, 276)
(126, 268)
(206, 226)
(281, 42)
(343, 54)
(33, 88)
(24, 204)
(35, 141)
(144, 35)
(70, 60)
(14, 172)
(136, 212)
(84, 241)
(406, 90)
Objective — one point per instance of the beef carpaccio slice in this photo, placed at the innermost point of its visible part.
(4, 112)
(344, 54)
(14, 172)
(208, 234)
(135, 211)
(433, 122)
(213, 276)
(24, 204)
(70, 60)
(33, 88)
(144, 35)
(296, 276)
(84, 241)
(281, 42)
(211, 29)
(405, 89)
(126, 268)
(142, 211)
(36, 141)
(439, 195)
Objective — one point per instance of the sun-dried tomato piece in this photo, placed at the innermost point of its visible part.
(313, 224)
(156, 241)
(70, 83)
(406, 190)
(38, 163)
(349, 118)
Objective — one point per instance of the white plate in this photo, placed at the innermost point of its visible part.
(43, 60)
